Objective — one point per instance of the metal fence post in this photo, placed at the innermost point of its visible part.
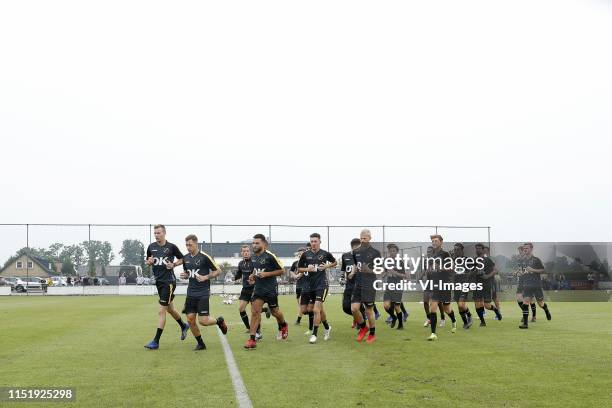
(27, 257)
(88, 257)
(210, 233)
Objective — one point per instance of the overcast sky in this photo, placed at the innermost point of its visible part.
(319, 112)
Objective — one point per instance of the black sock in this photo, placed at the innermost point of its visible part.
(252, 337)
(533, 310)
(372, 331)
(462, 314)
(441, 306)
(480, 311)
(400, 319)
(325, 324)
(259, 328)
(362, 325)
(315, 330)
(158, 335)
(391, 311)
(545, 307)
(452, 316)
(525, 314)
(375, 309)
(199, 340)
(468, 313)
(299, 319)
(520, 304)
(310, 320)
(402, 308)
(245, 319)
(180, 323)
(496, 311)
(433, 318)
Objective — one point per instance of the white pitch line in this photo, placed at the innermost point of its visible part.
(242, 396)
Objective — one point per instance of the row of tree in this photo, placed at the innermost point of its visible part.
(90, 253)
(561, 264)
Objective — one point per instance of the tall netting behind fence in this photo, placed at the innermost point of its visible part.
(113, 255)
(110, 259)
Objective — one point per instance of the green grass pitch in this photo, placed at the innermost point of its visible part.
(96, 345)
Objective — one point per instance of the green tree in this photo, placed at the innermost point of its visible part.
(604, 269)
(55, 250)
(68, 267)
(97, 252)
(132, 252)
(106, 255)
(73, 254)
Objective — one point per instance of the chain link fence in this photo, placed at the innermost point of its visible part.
(100, 255)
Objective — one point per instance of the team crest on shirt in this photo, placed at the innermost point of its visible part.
(320, 257)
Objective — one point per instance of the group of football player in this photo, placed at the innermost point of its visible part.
(259, 268)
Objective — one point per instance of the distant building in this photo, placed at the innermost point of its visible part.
(29, 265)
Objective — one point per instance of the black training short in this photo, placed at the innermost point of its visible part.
(298, 293)
(443, 296)
(394, 296)
(321, 294)
(246, 294)
(199, 305)
(484, 294)
(533, 292)
(365, 295)
(307, 298)
(165, 290)
(461, 296)
(272, 301)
